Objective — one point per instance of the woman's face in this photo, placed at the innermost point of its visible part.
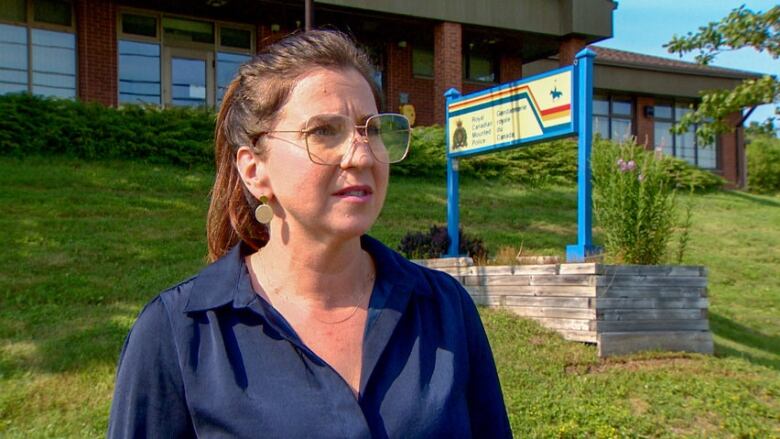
(338, 201)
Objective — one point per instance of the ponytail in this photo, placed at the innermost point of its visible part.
(230, 217)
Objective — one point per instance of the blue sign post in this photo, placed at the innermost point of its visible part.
(453, 213)
(584, 89)
(548, 106)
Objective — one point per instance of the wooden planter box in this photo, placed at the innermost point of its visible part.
(621, 308)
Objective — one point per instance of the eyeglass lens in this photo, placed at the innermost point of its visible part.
(388, 136)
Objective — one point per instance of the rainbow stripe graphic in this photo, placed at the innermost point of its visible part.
(511, 114)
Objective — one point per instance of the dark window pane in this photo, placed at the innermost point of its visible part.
(663, 112)
(52, 11)
(54, 63)
(622, 108)
(600, 106)
(13, 62)
(139, 25)
(621, 129)
(422, 62)
(662, 136)
(680, 111)
(707, 157)
(601, 126)
(227, 67)
(139, 72)
(188, 82)
(481, 69)
(188, 30)
(685, 147)
(238, 38)
(12, 10)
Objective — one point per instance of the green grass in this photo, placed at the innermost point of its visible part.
(85, 245)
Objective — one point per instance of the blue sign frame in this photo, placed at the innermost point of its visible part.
(581, 125)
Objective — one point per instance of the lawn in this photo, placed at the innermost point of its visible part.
(87, 244)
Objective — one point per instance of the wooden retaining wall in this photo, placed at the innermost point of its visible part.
(622, 308)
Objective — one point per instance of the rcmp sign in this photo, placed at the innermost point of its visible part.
(512, 114)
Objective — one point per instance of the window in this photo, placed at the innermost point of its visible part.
(53, 63)
(422, 62)
(39, 52)
(612, 117)
(685, 146)
(479, 68)
(139, 72)
(235, 38)
(176, 29)
(141, 25)
(227, 67)
(479, 64)
(151, 58)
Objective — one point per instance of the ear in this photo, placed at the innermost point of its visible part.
(252, 171)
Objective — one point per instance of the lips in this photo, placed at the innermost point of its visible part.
(354, 191)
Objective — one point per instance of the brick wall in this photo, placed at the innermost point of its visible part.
(265, 36)
(401, 79)
(97, 51)
(568, 49)
(645, 129)
(510, 68)
(447, 68)
(732, 154)
(471, 87)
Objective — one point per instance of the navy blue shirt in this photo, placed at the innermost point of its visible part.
(211, 358)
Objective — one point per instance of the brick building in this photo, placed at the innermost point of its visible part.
(171, 52)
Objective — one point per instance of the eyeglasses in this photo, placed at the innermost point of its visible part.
(329, 136)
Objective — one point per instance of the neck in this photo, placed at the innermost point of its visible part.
(322, 274)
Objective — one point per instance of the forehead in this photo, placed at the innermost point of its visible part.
(330, 91)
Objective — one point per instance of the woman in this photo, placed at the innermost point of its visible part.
(303, 326)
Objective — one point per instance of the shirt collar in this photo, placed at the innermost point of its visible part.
(226, 280)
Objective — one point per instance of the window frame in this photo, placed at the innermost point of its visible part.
(29, 24)
(674, 104)
(213, 48)
(491, 57)
(610, 98)
(433, 62)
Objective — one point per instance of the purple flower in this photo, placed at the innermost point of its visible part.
(620, 162)
(630, 165)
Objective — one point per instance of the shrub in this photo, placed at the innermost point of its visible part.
(634, 202)
(32, 124)
(683, 175)
(763, 160)
(184, 136)
(436, 242)
(544, 163)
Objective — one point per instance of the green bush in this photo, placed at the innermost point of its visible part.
(763, 159)
(633, 202)
(551, 162)
(683, 175)
(184, 136)
(31, 124)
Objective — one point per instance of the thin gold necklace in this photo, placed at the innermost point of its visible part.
(358, 293)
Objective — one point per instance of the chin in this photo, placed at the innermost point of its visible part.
(351, 229)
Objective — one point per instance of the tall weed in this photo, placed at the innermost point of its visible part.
(634, 202)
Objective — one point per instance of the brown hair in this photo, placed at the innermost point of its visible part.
(250, 105)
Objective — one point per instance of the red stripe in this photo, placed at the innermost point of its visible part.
(556, 109)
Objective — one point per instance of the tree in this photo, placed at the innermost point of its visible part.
(742, 28)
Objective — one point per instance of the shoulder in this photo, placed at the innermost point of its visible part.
(424, 282)
(156, 317)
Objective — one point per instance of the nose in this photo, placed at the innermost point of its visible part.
(357, 153)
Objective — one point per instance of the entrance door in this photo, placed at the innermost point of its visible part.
(188, 77)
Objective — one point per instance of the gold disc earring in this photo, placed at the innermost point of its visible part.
(264, 213)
